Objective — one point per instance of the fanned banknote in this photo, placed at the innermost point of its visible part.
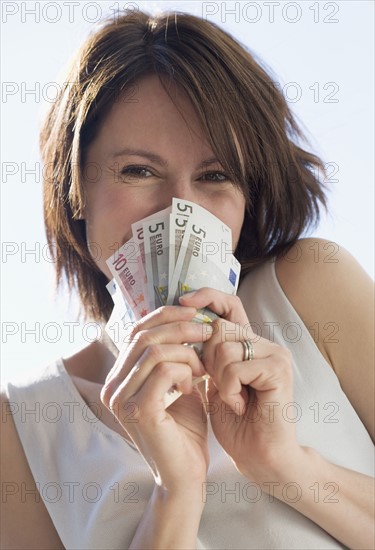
(205, 259)
(179, 249)
(181, 211)
(123, 265)
(156, 240)
(138, 236)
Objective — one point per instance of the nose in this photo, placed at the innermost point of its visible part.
(181, 188)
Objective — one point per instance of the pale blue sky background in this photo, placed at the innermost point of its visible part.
(327, 53)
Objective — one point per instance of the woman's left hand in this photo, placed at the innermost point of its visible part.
(246, 399)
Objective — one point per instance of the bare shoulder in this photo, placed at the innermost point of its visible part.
(326, 285)
(26, 523)
(334, 297)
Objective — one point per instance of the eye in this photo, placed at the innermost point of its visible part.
(136, 171)
(215, 177)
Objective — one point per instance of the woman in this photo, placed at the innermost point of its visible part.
(275, 452)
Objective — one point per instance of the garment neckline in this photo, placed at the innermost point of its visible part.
(96, 423)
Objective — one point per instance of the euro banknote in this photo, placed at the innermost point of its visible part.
(177, 250)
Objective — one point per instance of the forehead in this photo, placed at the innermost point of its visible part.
(149, 113)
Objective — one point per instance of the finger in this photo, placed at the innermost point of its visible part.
(238, 402)
(269, 377)
(162, 316)
(180, 332)
(149, 399)
(153, 357)
(224, 305)
(224, 335)
(223, 353)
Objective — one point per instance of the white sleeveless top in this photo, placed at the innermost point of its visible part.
(95, 484)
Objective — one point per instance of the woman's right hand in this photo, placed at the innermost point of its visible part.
(174, 441)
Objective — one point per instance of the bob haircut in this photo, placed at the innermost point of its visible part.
(246, 119)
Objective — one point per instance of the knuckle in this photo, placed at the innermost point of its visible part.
(114, 403)
(136, 328)
(283, 358)
(105, 395)
(155, 352)
(143, 337)
(230, 371)
(224, 352)
(127, 412)
(183, 328)
(180, 325)
(163, 369)
(162, 311)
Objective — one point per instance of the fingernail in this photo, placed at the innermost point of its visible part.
(189, 294)
(188, 309)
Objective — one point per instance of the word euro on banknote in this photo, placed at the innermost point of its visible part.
(156, 242)
(123, 265)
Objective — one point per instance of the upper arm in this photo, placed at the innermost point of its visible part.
(334, 297)
(25, 522)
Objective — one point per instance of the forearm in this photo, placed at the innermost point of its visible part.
(169, 522)
(341, 501)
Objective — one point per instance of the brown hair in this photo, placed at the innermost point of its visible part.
(246, 118)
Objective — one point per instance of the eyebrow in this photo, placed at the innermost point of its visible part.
(156, 158)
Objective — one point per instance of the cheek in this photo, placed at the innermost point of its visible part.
(107, 213)
(104, 226)
(108, 223)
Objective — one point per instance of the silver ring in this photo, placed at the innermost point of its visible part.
(248, 350)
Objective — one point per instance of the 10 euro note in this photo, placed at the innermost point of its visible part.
(123, 265)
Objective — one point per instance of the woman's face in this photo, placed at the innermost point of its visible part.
(145, 154)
